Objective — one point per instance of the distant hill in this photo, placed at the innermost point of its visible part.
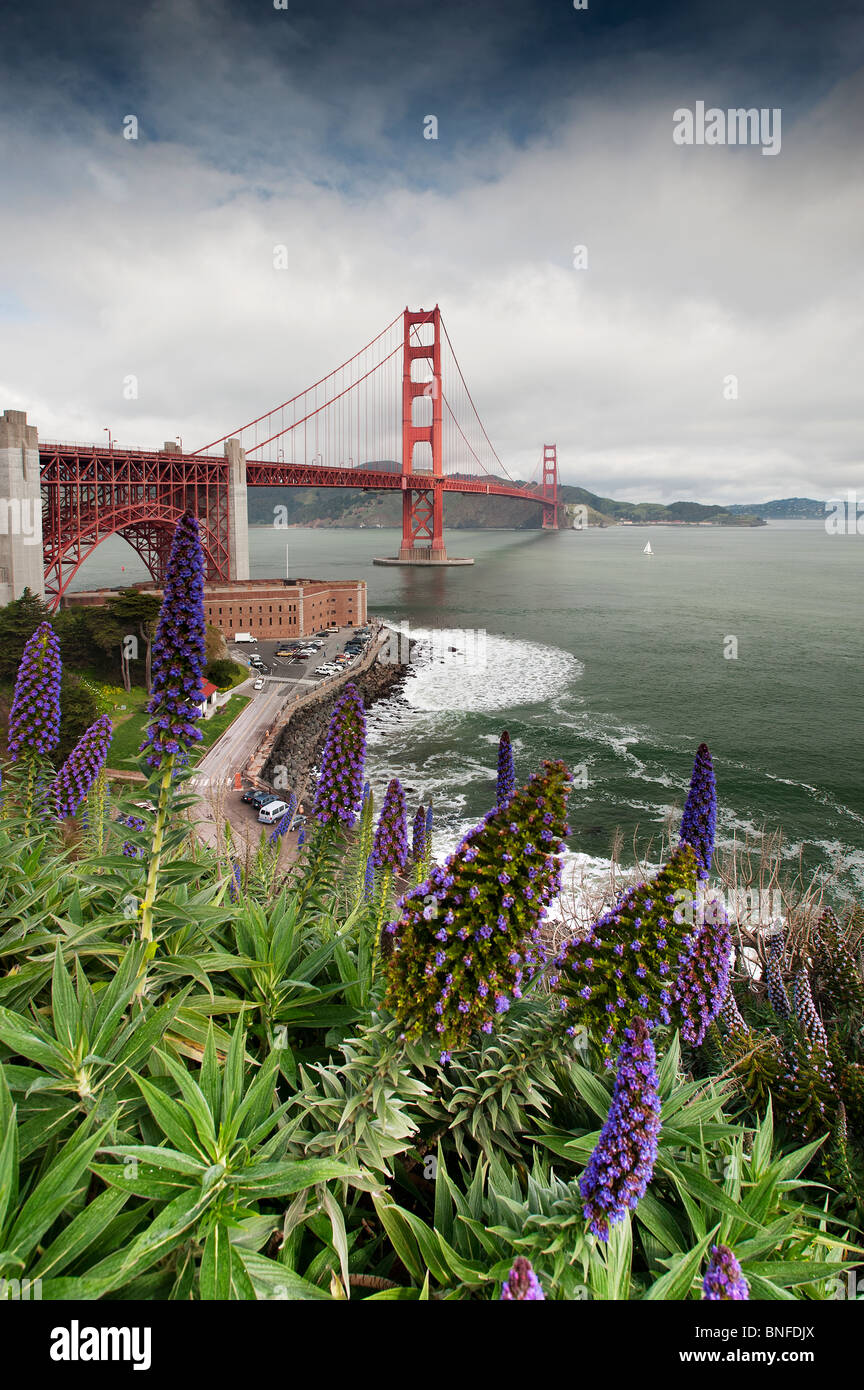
(614, 512)
(785, 509)
(354, 508)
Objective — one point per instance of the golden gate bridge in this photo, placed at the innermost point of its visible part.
(396, 416)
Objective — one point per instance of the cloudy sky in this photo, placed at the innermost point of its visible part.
(304, 126)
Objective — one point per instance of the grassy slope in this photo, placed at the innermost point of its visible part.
(129, 732)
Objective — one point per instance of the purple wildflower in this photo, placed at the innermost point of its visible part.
(369, 880)
(522, 1283)
(178, 650)
(418, 834)
(284, 825)
(34, 719)
(731, 1016)
(723, 1280)
(340, 785)
(478, 952)
(390, 846)
(236, 883)
(506, 770)
(81, 768)
(703, 980)
(808, 1019)
(777, 996)
(621, 1166)
(699, 820)
(135, 823)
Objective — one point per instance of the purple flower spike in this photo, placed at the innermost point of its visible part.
(81, 768)
(699, 820)
(809, 1021)
(390, 846)
(522, 1283)
(506, 770)
(466, 944)
(236, 883)
(777, 996)
(178, 650)
(340, 786)
(369, 881)
(284, 825)
(723, 1280)
(34, 719)
(621, 1166)
(703, 980)
(418, 834)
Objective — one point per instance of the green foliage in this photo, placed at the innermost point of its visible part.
(211, 1099)
(18, 621)
(225, 673)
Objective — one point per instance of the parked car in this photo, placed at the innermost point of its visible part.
(253, 797)
(273, 811)
(259, 684)
(286, 651)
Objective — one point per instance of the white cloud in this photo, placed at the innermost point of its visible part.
(155, 258)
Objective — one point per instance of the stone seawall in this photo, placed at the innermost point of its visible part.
(297, 746)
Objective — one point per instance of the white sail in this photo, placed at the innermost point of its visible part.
(648, 550)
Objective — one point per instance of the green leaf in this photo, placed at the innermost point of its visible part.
(54, 1190)
(171, 1118)
(81, 1233)
(676, 1283)
(591, 1089)
(64, 1005)
(281, 1179)
(214, 1276)
(401, 1237)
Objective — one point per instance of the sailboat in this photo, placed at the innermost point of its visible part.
(648, 550)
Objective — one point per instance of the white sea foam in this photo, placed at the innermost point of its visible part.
(513, 672)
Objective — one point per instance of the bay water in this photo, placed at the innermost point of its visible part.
(620, 663)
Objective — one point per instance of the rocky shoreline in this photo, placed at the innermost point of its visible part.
(298, 744)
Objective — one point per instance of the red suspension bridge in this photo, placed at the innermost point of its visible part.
(397, 416)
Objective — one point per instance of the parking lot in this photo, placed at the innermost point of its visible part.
(301, 672)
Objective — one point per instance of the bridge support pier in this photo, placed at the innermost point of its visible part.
(238, 516)
(21, 563)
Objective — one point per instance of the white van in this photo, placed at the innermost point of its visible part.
(273, 811)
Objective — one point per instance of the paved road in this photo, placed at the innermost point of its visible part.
(232, 751)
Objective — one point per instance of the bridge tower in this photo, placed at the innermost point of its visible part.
(20, 509)
(550, 487)
(238, 512)
(422, 507)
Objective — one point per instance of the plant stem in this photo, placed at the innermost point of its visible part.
(156, 850)
(385, 895)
